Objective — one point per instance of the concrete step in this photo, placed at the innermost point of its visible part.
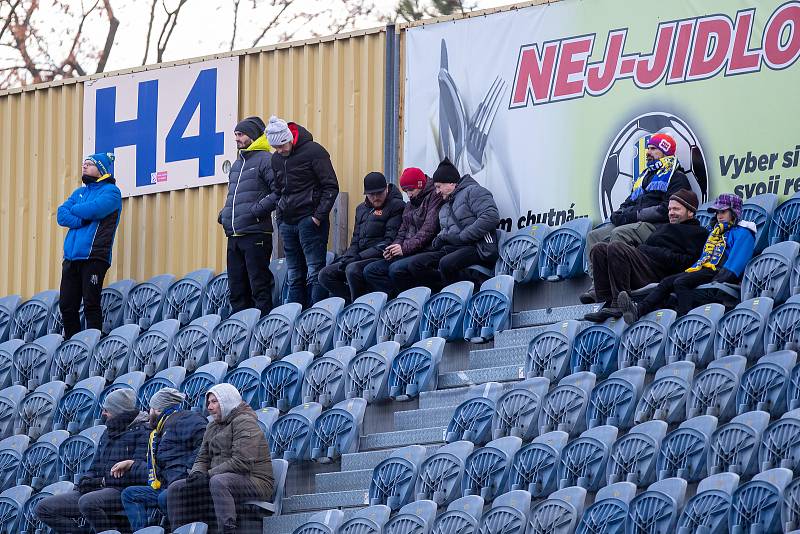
(547, 316)
(344, 481)
(285, 523)
(472, 377)
(357, 461)
(325, 501)
(401, 438)
(443, 397)
(497, 357)
(426, 418)
(516, 336)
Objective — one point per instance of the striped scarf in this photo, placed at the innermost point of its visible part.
(713, 250)
(662, 170)
(152, 447)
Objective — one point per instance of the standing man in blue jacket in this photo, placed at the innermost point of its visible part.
(92, 215)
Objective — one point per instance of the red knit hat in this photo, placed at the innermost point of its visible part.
(664, 142)
(413, 178)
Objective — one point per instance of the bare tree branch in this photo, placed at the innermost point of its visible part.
(149, 31)
(168, 28)
(12, 9)
(284, 6)
(235, 22)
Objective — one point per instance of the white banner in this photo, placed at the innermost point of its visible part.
(169, 128)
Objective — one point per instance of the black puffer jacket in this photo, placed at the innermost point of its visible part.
(304, 180)
(125, 438)
(251, 196)
(651, 206)
(375, 228)
(468, 214)
(673, 248)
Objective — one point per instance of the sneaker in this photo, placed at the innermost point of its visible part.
(629, 310)
(590, 297)
(602, 314)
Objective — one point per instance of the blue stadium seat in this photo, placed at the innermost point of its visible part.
(55, 324)
(32, 361)
(613, 401)
(291, 433)
(111, 354)
(12, 505)
(595, 348)
(230, 339)
(756, 505)
(313, 330)
(8, 305)
(763, 386)
(559, 513)
(413, 518)
(356, 324)
(487, 469)
(783, 327)
(517, 410)
(416, 369)
(283, 381)
(734, 446)
(10, 399)
(489, 310)
(29, 522)
(691, 337)
(279, 470)
(443, 313)
(786, 221)
(71, 360)
(112, 303)
(368, 372)
(658, 508)
(75, 454)
(562, 251)
(780, 446)
(217, 299)
(272, 335)
(7, 350)
(633, 455)
(549, 351)
(395, 478)
(610, 509)
(461, 517)
(11, 450)
(150, 350)
(769, 273)
(39, 464)
(644, 343)
(280, 271)
(400, 318)
(713, 391)
(134, 381)
(584, 459)
(535, 466)
(325, 377)
(190, 345)
(246, 377)
(266, 419)
(472, 419)
(741, 330)
(326, 522)
(32, 317)
(145, 301)
(369, 520)
(793, 389)
(171, 377)
(707, 511)
(790, 509)
(684, 451)
(759, 210)
(196, 385)
(198, 527)
(564, 407)
(508, 515)
(184, 298)
(338, 430)
(440, 474)
(520, 252)
(36, 410)
(77, 407)
(665, 397)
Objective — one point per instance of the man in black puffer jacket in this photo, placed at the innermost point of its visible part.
(247, 219)
(377, 221)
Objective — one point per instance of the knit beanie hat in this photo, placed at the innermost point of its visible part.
(166, 398)
(664, 142)
(278, 132)
(252, 127)
(413, 178)
(120, 401)
(227, 396)
(446, 173)
(374, 182)
(687, 198)
(728, 201)
(104, 161)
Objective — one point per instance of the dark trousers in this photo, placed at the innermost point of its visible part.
(81, 280)
(620, 267)
(345, 281)
(102, 510)
(227, 489)
(305, 245)
(438, 268)
(249, 278)
(391, 277)
(684, 285)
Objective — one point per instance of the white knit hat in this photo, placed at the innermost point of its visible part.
(278, 132)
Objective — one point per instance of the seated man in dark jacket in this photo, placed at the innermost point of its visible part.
(646, 206)
(376, 224)
(672, 248)
(171, 450)
(233, 465)
(420, 225)
(97, 495)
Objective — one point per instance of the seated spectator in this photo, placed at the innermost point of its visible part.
(376, 224)
(97, 495)
(671, 249)
(646, 206)
(171, 450)
(468, 236)
(728, 249)
(420, 225)
(233, 465)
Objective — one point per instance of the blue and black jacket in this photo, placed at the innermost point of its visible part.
(92, 215)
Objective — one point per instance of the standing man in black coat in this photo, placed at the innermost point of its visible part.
(247, 219)
(377, 221)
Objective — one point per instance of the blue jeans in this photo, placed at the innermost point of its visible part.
(305, 245)
(392, 277)
(139, 503)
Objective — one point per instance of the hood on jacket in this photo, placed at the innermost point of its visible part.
(300, 135)
(259, 144)
(465, 182)
(393, 193)
(749, 225)
(427, 190)
(227, 396)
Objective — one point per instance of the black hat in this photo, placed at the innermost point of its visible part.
(374, 182)
(252, 127)
(446, 173)
(687, 198)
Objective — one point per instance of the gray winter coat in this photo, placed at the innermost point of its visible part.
(469, 213)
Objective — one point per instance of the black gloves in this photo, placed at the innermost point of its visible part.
(617, 218)
(724, 276)
(89, 484)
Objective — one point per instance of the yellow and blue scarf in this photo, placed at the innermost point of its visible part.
(662, 170)
(714, 249)
(152, 447)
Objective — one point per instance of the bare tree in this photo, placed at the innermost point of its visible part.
(412, 10)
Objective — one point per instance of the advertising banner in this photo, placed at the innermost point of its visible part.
(547, 105)
(169, 128)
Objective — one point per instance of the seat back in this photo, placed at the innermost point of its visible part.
(461, 517)
(55, 324)
(713, 391)
(489, 310)
(520, 252)
(10, 399)
(395, 478)
(691, 338)
(112, 303)
(32, 317)
(559, 513)
(535, 466)
(183, 299)
(325, 377)
(368, 372)
(644, 343)
(786, 221)
(613, 401)
(76, 453)
(338, 430)
(326, 522)
(197, 385)
(112, 353)
(150, 350)
(190, 345)
(564, 407)
(562, 250)
(684, 451)
(472, 419)
(595, 348)
(291, 434)
(758, 210)
(32, 361)
(283, 380)
(11, 450)
(763, 386)
(549, 351)
(8, 305)
(584, 459)
(400, 318)
(486, 470)
(369, 520)
(272, 335)
(783, 327)
(38, 466)
(610, 510)
(665, 397)
(314, 327)
(416, 369)
(230, 339)
(634, 455)
(144, 304)
(71, 360)
(708, 509)
(36, 411)
(416, 517)
(790, 507)
(246, 377)
(780, 446)
(658, 508)
(440, 474)
(734, 446)
(517, 411)
(12, 505)
(741, 330)
(443, 313)
(266, 419)
(769, 273)
(217, 299)
(508, 515)
(757, 504)
(171, 377)
(77, 407)
(356, 324)
(7, 350)
(197, 527)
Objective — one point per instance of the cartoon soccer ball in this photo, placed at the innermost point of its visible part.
(617, 175)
